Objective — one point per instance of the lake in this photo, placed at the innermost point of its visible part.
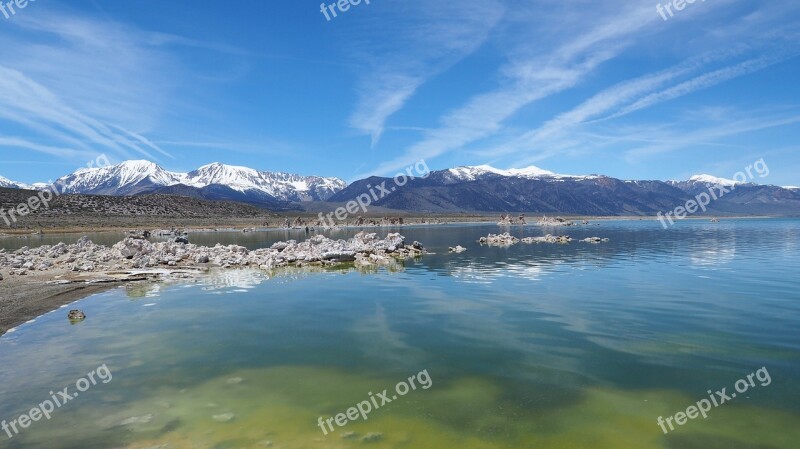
(530, 346)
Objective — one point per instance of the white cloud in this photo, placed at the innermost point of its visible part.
(556, 60)
(531, 76)
(422, 40)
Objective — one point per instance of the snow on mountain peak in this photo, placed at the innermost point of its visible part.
(139, 164)
(133, 172)
(531, 171)
(470, 173)
(5, 182)
(235, 177)
(709, 179)
(220, 167)
(467, 173)
(131, 177)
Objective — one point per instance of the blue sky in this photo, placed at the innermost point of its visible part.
(575, 87)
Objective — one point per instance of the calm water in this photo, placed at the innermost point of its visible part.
(548, 346)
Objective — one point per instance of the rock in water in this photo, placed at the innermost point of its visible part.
(137, 420)
(594, 240)
(548, 239)
(504, 239)
(76, 315)
(372, 437)
(225, 417)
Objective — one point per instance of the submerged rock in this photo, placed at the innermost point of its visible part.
(372, 437)
(457, 249)
(137, 420)
(594, 240)
(76, 315)
(225, 417)
(349, 435)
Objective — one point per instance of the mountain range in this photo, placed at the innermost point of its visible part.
(470, 188)
(488, 189)
(214, 181)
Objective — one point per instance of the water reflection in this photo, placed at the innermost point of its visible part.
(530, 346)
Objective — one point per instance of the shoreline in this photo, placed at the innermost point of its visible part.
(39, 280)
(254, 227)
(23, 300)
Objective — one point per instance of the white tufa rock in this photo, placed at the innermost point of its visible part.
(132, 252)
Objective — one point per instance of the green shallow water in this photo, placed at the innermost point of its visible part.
(548, 346)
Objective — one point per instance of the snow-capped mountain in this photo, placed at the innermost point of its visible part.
(532, 189)
(127, 178)
(710, 179)
(700, 183)
(136, 177)
(283, 186)
(477, 188)
(9, 184)
(473, 173)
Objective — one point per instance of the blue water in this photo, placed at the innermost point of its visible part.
(562, 346)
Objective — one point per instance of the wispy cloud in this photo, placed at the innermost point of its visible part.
(530, 76)
(63, 101)
(677, 137)
(566, 60)
(28, 103)
(20, 143)
(561, 133)
(426, 39)
(701, 82)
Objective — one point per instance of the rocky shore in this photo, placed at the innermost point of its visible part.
(137, 253)
(35, 280)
